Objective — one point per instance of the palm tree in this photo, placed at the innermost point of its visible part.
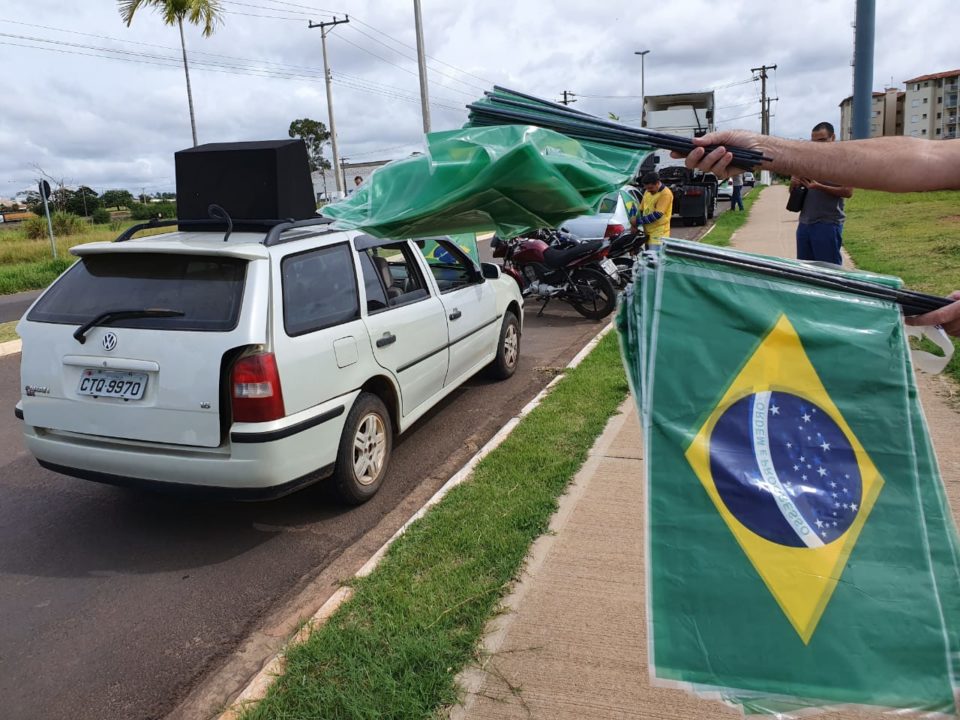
(207, 13)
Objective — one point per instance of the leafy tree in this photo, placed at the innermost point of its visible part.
(34, 202)
(83, 201)
(116, 198)
(315, 134)
(208, 13)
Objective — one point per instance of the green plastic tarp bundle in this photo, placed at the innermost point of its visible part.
(509, 179)
(801, 552)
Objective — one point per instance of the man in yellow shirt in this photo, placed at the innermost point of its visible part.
(656, 208)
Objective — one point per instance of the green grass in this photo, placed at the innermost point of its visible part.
(27, 264)
(915, 236)
(7, 331)
(394, 649)
(731, 221)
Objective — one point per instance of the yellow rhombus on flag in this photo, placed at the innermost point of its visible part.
(788, 476)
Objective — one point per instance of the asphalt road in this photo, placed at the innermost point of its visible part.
(12, 307)
(124, 604)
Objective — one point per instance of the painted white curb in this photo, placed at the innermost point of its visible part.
(10, 348)
(257, 688)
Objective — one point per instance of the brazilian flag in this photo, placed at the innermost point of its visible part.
(801, 552)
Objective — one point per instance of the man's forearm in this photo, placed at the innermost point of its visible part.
(895, 164)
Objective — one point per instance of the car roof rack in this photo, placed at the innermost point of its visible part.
(274, 228)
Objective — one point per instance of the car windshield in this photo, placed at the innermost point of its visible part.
(207, 290)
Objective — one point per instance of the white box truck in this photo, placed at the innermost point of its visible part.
(688, 115)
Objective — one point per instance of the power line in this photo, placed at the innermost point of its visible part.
(384, 34)
(355, 78)
(407, 57)
(611, 97)
(193, 53)
(174, 63)
(739, 117)
(380, 57)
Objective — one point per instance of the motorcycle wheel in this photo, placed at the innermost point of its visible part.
(592, 294)
(624, 265)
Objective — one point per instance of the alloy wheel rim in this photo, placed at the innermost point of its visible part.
(510, 344)
(369, 449)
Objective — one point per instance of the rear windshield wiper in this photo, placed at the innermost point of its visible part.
(112, 315)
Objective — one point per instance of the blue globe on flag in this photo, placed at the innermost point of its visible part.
(785, 469)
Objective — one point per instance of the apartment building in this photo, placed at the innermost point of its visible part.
(930, 105)
(886, 114)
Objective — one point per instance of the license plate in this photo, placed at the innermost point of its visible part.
(610, 266)
(106, 383)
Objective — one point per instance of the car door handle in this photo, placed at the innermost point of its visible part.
(456, 315)
(387, 339)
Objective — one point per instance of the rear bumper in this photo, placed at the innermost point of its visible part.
(255, 463)
(203, 491)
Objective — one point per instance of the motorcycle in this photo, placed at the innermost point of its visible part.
(623, 251)
(570, 274)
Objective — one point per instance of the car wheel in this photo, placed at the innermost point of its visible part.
(508, 349)
(364, 452)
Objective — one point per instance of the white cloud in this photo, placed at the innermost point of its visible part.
(109, 123)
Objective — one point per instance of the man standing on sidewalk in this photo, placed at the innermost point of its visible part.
(820, 232)
(736, 190)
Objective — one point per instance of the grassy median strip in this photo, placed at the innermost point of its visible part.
(732, 220)
(915, 236)
(394, 649)
(8, 331)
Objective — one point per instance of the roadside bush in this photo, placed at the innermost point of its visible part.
(145, 211)
(63, 224)
(101, 216)
(34, 228)
(66, 224)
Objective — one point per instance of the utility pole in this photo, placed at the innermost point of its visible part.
(422, 63)
(567, 95)
(769, 100)
(326, 75)
(764, 105)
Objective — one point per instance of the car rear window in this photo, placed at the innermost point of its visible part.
(207, 290)
(608, 204)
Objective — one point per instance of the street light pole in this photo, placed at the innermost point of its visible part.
(643, 94)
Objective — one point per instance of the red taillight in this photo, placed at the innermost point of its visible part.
(693, 192)
(613, 229)
(255, 389)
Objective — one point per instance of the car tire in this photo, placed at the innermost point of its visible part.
(364, 453)
(508, 349)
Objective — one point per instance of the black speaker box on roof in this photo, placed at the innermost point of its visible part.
(266, 180)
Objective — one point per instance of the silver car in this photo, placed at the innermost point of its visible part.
(612, 216)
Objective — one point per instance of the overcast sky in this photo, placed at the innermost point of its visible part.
(92, 101)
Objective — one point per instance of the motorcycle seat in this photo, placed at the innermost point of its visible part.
(554, 258)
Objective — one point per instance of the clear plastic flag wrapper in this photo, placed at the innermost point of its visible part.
(801, 553)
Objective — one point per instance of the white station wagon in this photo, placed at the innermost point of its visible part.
(255, 363)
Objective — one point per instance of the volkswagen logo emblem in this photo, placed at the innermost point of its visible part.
(109, 341)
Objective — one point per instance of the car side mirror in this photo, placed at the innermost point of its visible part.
(491, 271)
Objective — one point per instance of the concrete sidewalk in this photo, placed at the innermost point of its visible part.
(571, 642)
